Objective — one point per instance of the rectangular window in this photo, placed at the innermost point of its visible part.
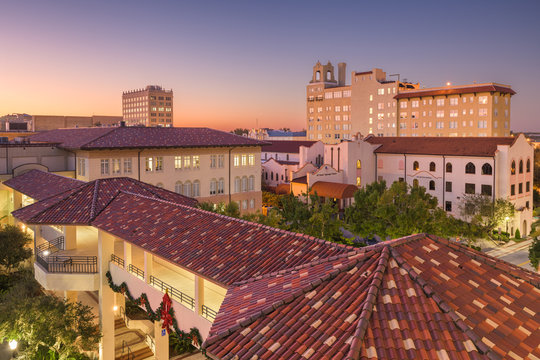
(486, 190)
(149, 164)
(178, 162)
(213, 161)
(482, 112)
(81, 168)
(453, 101)
(346, 93)
(244, 160)
(440, 113)
(402, 105)
(470, 188)
(380, 91)
(483, 100)
(520, 188)
(196, 161)
(527, 186)
(159, 163)
(251, 159)
(221, 161)
(236, 159)
(448, 206)
(415, 103)
(512, 190)
(116, 169)
(448, 186)
(440, 102)
(104, 166)
(187, 162)
(127, 165)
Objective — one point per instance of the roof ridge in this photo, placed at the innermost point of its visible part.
(94, 199)
(369, 303)
(298, 235)
(287, 271)
(275, 305)
(112, 129)
(443, 306)
(490, 260)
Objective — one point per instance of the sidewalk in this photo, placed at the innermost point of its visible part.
(509, 248)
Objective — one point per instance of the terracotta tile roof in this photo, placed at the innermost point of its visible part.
(286, 146)
(282, 162)
(300, 180)
(142, 137)
(457, 146)
(82, 204)
(218, 247)
(333, 189)
(419, 297)
(455, 90)
(39, 184)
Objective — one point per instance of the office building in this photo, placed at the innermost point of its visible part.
(151, 106)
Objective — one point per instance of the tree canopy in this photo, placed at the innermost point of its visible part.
(13, 247)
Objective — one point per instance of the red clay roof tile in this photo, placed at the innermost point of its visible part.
(286, 146)
(454, 91)
(39, 185)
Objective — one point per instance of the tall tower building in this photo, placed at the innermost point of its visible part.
(328, 105)
(152, 106)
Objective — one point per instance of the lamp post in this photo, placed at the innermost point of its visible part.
(13, 347)
(506, 220)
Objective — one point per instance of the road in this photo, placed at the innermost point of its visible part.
(514, 253)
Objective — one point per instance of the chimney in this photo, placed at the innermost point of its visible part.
(342, 68)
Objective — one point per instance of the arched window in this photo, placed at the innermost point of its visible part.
(245, 183)
(487, 169)
(513, 168)
(470, 168)
(237, 184)
(528, 165)
(328, 75)
(521, 166)
(432, 166)
(266, 176)
(272, 175)
(159, 185)
(358, 164)
(196, 188)
(415, 165)
(358, 181)
(221, 186)
(415, 183)
(448, 167)
(251, 184)
(431, 185)
(187, 188)
(318, 75)
(178, 187)
(213, 187)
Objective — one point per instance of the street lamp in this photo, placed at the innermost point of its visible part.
(13, 344)
(506, 219)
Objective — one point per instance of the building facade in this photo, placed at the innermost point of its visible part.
(470, 110)
(151, 106)
(209, 165)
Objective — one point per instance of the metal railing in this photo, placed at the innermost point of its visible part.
(119, 261)
(125, 347)
(124, 316)
(68, 264)
(208, 313)
(135, 270)
(150, 342)
(173, 292)
(52, 245)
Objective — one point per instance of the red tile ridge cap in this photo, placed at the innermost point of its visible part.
(299, 235)
(369, 303)
(443, 305)
(94, 199)
(275, 305)
(354, 254)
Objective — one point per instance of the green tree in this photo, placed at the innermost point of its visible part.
(44, 325)
(486, 214)
(397, 211)
(240, 131)
(534, 253)
(13, 247)
(295, 213)
(324, 221)
(231, 209)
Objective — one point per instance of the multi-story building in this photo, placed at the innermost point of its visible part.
(151, 106)
(328, 105)
(209, 165)
(375, 104)
(450, 168)
(469, 110)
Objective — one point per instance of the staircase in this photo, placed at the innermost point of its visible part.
(130, 339)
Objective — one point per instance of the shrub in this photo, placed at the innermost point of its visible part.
(518, 234)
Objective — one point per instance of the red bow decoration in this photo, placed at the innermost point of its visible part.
(165, 312)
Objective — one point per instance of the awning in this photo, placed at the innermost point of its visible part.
(333, 190)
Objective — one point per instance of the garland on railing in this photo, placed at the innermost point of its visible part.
(193, 337)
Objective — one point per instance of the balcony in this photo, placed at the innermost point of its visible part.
(68, 270)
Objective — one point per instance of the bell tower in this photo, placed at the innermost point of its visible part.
(323, 73)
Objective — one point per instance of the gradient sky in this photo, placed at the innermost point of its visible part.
(232, 62)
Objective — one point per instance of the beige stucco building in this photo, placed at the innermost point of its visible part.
(468, 110)
(151, 106)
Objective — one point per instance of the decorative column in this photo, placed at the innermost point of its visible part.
(199, 294)
(70, 237)
(148, 266)
(106, 297)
